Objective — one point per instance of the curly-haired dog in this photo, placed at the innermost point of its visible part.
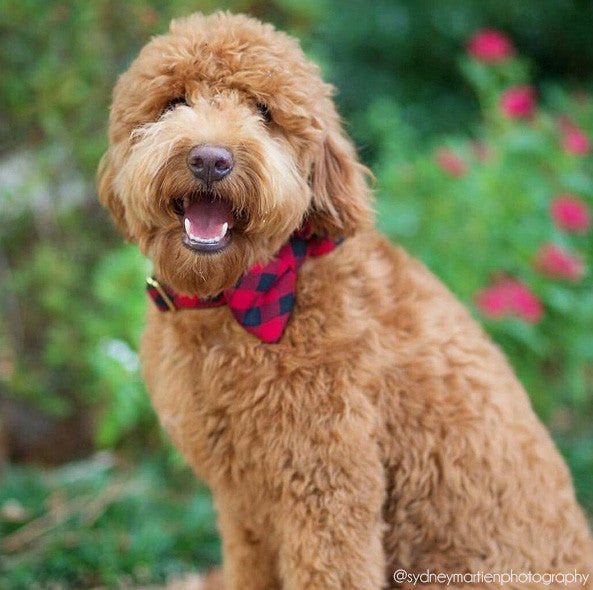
(348, 414)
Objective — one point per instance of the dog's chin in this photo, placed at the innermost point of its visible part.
(199, 269)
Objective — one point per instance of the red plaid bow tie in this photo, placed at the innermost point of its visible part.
(263, 298)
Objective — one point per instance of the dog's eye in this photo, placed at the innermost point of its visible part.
(175, 102)
(264, 111)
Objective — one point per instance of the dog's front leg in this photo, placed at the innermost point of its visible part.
(329, 518)
(247, 557)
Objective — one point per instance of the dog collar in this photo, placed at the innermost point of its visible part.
(263, 298)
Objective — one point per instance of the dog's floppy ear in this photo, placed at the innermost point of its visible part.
(107, 195)
(341, 196)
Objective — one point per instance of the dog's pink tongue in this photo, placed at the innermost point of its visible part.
(205, 218)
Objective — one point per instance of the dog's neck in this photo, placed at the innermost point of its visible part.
(263, 298)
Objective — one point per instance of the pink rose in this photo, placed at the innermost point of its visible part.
(448, 161)
(492, 302)
(509, 297)
(570, 213)
(524, 303)
(518, 101)
(576, 141)
(488, 45)
(553, 261)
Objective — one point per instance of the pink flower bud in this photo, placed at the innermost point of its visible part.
(518, 101)
(448, 161)
(576, 141)
(492, 302)
(488, 45)
(556, 263)
(509, 297)
(570, 213)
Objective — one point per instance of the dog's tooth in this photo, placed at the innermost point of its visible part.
(200, 240)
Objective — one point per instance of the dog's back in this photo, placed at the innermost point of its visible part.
(475, 484)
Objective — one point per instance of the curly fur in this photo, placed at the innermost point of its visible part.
(385, 430)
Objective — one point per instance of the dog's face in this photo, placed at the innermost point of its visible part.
(223, 141)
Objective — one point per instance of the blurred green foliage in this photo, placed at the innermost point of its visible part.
(71, 293)
(93, 523)
(485, 216)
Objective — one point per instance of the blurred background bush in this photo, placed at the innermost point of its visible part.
(476, 118)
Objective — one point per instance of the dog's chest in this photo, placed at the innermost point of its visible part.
(219, 398)
(230, 402)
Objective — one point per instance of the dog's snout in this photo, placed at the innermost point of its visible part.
(210, 162)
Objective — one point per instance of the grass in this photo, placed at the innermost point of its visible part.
(103, 522)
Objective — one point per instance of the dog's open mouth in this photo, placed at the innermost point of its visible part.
(207, 222)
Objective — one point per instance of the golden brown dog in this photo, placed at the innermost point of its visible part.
(384, 430)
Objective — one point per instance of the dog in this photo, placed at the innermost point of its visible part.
(351, 418)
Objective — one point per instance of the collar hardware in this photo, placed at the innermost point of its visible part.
(151, 282)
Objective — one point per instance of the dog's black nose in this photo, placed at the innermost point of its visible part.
(210, 162)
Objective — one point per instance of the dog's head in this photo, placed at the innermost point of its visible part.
(223, 141)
